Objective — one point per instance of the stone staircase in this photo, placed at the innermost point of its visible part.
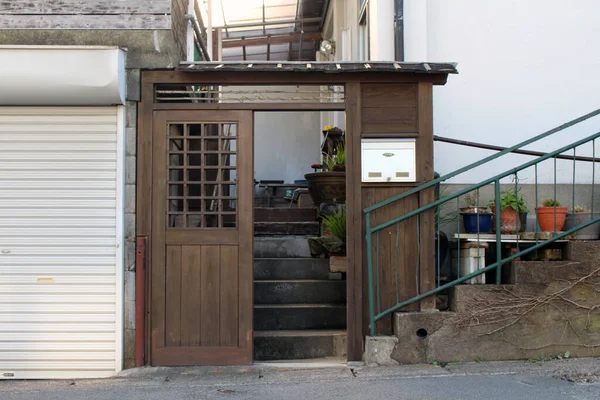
(299, 307)
(547, 309)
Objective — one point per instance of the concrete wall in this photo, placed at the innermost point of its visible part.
(286, 144)
(513, 83)
(549, 309)
(85, 14)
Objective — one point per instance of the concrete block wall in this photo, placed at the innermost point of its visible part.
(130, 207)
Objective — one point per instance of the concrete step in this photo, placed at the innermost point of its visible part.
(295, 214)
(281, 247)
(300, 292)
(297, 345)
(546, 272)
(299, 316)
(286, 228)
(583, 251)
(291, 268)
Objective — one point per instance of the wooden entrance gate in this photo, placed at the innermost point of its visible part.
(202, 238)
(200, 263)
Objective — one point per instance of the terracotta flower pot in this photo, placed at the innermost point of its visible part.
(546, 217)
(509, 221)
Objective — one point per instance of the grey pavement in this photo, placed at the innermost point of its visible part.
(548, 380)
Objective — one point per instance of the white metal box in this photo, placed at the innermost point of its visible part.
(471, 260)
(388, 160)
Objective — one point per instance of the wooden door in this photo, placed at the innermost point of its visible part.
(202, 238)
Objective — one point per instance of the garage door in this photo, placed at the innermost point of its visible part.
(60, 242)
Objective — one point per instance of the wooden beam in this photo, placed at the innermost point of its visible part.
(284, 78)
(263, 40)
(268, 51)
(354, 218)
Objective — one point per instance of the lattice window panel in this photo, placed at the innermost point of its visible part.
(202, 175)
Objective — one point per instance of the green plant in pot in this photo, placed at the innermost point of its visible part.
(551, 215)
(333, 241)
(513, 212)
(472, 204)
(578, 216)
(329, 184)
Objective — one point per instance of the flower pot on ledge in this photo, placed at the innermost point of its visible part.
(327, 187)
(551, 219)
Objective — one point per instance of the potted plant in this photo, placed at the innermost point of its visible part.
(476, 219)
(551, 216)
(334, 224)
(581, 215)
(329, 184)
(512, 206)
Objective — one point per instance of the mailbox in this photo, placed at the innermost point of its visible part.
(388, 160)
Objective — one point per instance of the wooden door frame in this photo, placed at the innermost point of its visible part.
(356, 281)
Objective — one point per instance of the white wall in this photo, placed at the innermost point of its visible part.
(286, 144)
(524, 67)
(381, 30)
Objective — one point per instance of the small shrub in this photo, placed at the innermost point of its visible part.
(335, 224)
(551, 203)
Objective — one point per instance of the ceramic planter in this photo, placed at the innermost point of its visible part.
(591, 232)
(510, 222)
(477, 222)
(327, 187)
(551, 219)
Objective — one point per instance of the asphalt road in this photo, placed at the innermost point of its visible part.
(489, 381)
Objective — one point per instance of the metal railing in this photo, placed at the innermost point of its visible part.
(378, 312)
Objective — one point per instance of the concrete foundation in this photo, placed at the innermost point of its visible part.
(552, 309)
(379, 349)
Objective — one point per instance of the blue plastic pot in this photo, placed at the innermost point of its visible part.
(477, 222)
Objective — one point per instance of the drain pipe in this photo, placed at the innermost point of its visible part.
(399, 30)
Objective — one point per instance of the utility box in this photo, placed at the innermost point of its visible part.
(388, 160)
(469, 260)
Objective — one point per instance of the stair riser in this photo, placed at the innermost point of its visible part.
(286, 228)
(324, 292)
(297, 348)
(281, 269)
(284, 214)
(281, 247)
(300, 318)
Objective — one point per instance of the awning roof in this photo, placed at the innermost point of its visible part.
(269, 29)
(326, 67)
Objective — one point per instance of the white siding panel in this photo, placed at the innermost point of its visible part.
(58, 346)
(58, 242)
(56, 212)
(52, 308)
(81, 298)
(38, 338)
(80, 281)
(44, 241)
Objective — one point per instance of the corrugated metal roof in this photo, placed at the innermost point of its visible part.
(326, 67)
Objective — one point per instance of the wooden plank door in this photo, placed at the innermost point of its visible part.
(202, 238)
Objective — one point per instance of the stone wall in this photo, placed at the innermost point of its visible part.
(552, 310)
(85, 14)
(179, 24)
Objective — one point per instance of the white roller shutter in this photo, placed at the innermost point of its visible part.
(60, 242)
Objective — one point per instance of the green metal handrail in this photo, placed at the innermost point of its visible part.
(374, 289)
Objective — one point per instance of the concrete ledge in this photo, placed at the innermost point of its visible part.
(506, 322)
(379, 349)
